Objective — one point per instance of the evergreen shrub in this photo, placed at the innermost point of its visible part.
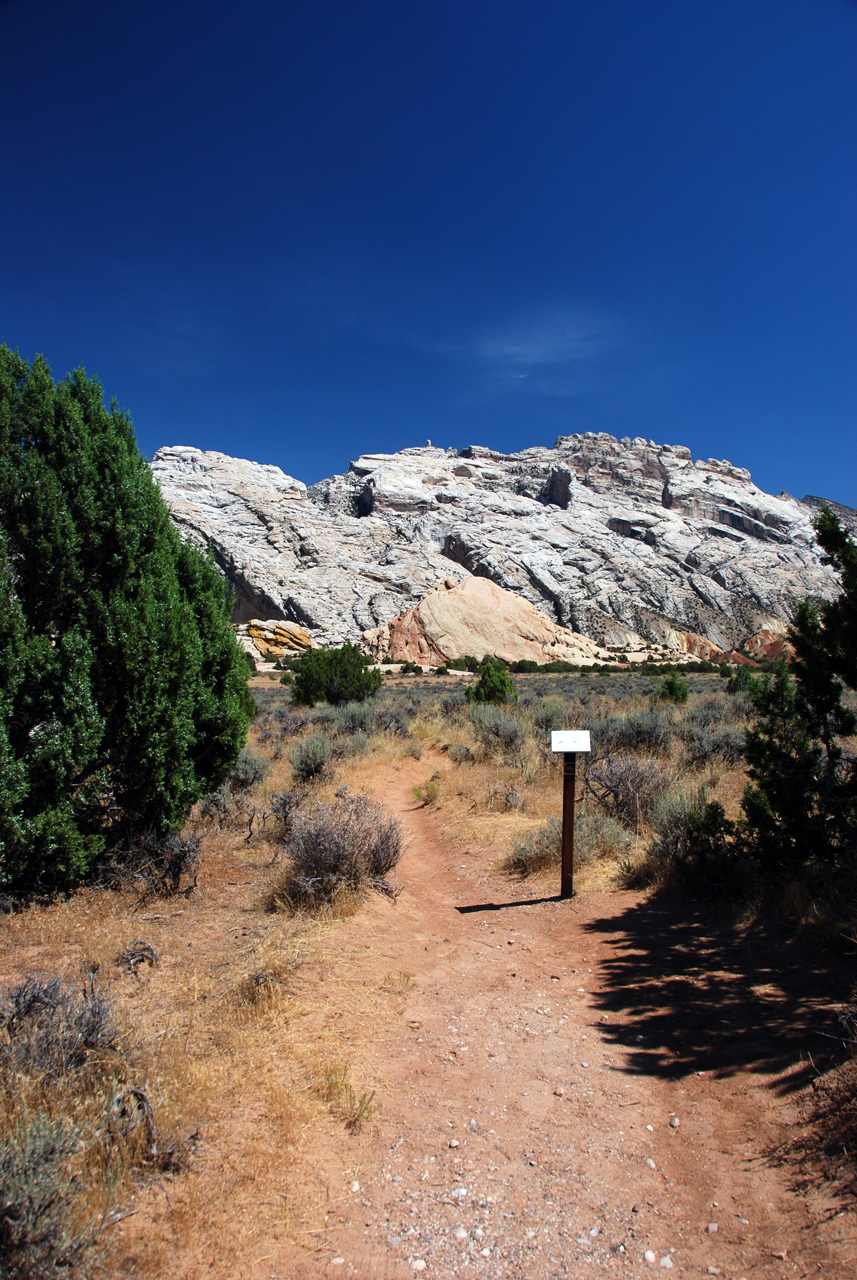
(123, 695)
(494, 685)
(335, 676)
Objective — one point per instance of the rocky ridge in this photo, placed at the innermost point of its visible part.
(625, 542)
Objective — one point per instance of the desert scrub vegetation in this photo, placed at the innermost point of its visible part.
(163, 866)
(76, 1124)
(501, 781)
(335, 852)
(652, 756)
(353, 1108)
(233, 804)
(494, 685)
(596, 835)
(310, 758)
(335, 675)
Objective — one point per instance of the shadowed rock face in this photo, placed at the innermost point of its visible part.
(620, 541)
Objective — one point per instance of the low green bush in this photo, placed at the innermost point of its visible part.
(497, 729)
(249, 769)
(393, 720)
(38, 1240)
(596, 835)
(73, 1124)
(467, 663)
(695, 844)
(355, 744)
(689, 827)
(672, 690)
(354, 717)
(537, 850)
(494, 685)
(546, 715)
(335, 676)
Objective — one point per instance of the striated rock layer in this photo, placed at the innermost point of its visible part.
(627, 543)
(273, 638)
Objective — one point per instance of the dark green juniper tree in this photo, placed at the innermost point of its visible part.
(335, 676)
(800, 806)
(123, 692)
(494, 684)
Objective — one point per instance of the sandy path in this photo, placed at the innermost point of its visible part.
(531, 1088)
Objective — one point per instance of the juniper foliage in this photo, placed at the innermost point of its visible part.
(800, 806)
(123, 692)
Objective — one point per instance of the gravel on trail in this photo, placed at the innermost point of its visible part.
(528, 1129)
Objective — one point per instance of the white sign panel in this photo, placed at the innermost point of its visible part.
(570, 740)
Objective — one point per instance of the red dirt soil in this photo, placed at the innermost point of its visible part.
(571, 1086)
(568, 1088)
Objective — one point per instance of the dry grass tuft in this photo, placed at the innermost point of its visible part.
(353, 1108)
(76, 1120)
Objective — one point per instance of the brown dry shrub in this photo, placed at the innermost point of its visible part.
(337, 852)
(73, 1123)
(629, 786)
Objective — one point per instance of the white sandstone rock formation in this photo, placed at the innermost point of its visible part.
(625, 542)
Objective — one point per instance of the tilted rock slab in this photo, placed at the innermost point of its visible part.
(625, 542)
(478, 617)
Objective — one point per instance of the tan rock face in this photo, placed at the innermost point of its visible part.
(274, 639)
(478, 617)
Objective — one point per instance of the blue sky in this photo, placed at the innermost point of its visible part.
(303, 229)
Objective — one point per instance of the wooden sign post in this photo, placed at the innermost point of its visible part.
(569, 742)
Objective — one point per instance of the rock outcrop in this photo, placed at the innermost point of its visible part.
(626, 543)
(273, 639)
(478, 617)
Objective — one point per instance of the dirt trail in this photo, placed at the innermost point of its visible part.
(570, 1086)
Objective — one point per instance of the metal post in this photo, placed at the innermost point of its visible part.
(569, 786)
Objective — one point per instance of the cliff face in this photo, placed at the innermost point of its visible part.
(616, 540)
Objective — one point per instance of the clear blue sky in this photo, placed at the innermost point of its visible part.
(297, 230)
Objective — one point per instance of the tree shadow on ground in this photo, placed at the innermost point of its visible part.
(691, 990)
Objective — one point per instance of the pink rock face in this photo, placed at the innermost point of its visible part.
(736, 659)
(770, 645)
(478, 617)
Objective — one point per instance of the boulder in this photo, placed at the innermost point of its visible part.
(273, 639)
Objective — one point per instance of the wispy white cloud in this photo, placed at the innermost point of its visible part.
(556, 353)
(167, 323)
(549, 340)
(551, 350)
